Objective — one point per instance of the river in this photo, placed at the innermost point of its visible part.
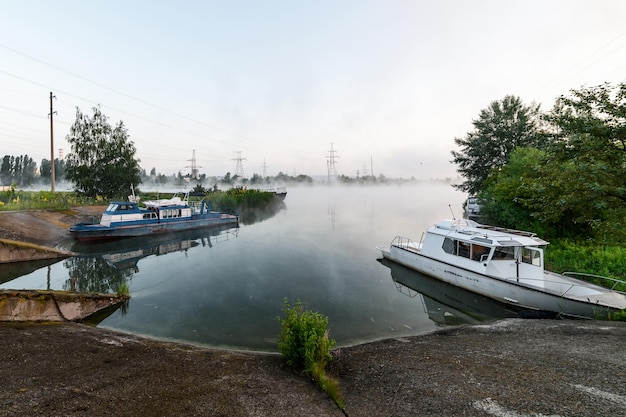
(226, 288)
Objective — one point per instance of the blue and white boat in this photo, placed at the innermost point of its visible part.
(128, 219)
(505, 265)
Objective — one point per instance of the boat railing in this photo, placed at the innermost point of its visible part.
(404, 243)
(613, 281)
(560, 287)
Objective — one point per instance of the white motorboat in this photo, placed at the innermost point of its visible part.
(505, 265)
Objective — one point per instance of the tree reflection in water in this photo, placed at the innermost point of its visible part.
(95, 274)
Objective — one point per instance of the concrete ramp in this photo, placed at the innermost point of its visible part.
(15, 251)
(35, 305)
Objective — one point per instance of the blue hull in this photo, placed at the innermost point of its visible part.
(93, 232)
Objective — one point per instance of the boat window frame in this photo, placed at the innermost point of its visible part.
(534, 258)
(466, 249)
(504, 253)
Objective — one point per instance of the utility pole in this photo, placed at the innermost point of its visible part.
(51, 142)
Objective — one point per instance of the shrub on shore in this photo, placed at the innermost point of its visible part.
(304, 342)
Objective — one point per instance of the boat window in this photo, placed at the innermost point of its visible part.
(478, 251)
(111, 207)
(504, 253)
(531, 256)
(464, 249)
(449, 246)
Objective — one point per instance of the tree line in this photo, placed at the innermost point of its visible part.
(21, 170)
(560, 173)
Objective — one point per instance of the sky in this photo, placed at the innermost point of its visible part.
(387, 85)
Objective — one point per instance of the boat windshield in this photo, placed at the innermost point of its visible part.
(504, 253)
(112, 207)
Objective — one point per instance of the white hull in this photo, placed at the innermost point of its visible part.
(554, 293)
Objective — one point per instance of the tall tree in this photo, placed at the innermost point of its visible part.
(589, 157)
(576, 186)
(102, 159)
(6, 170)
(499, 129)
(45, 170)
(20, 170)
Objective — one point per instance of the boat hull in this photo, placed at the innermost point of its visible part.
(504, 291)
(95, 232)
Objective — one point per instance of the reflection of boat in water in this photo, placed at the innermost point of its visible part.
(128, 219)
(124, 254)
(447, 304)
(505, 265)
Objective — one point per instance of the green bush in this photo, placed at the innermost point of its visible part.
(305, 344)
(304, 337)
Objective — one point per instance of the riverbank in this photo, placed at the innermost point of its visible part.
(509, 368)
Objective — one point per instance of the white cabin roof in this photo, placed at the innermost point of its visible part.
(174, 201)
(470, 230)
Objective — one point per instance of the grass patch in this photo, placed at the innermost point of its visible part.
(589, 258)
(567, 255)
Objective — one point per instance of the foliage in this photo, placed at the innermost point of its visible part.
(587, 257)
(298, 179)
(45, 170)
(102, 159)
(499, 129)
(237, 199)
(305, 344)
(20, 170)
(507, 196)
(574, 185)
(588, 159)
(123, 290)
(13, 199)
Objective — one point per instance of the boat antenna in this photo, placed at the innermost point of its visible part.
(451, 211)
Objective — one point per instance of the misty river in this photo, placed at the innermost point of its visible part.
(225, 288)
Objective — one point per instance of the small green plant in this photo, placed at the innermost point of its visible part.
(123, 290)
(304, 342)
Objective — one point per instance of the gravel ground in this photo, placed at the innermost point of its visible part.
(513, 368)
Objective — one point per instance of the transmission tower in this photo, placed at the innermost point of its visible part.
(264, 168)
(195, 172)
(239, 169)
(331, 160)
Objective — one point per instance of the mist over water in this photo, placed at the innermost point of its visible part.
(226, 288)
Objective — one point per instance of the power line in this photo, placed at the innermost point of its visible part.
(564, 76)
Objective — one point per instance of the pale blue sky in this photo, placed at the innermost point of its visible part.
(393, 82)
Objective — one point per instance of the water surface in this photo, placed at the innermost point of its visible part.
(225, 288)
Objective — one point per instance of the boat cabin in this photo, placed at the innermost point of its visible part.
(493, 251)
(118, 213)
